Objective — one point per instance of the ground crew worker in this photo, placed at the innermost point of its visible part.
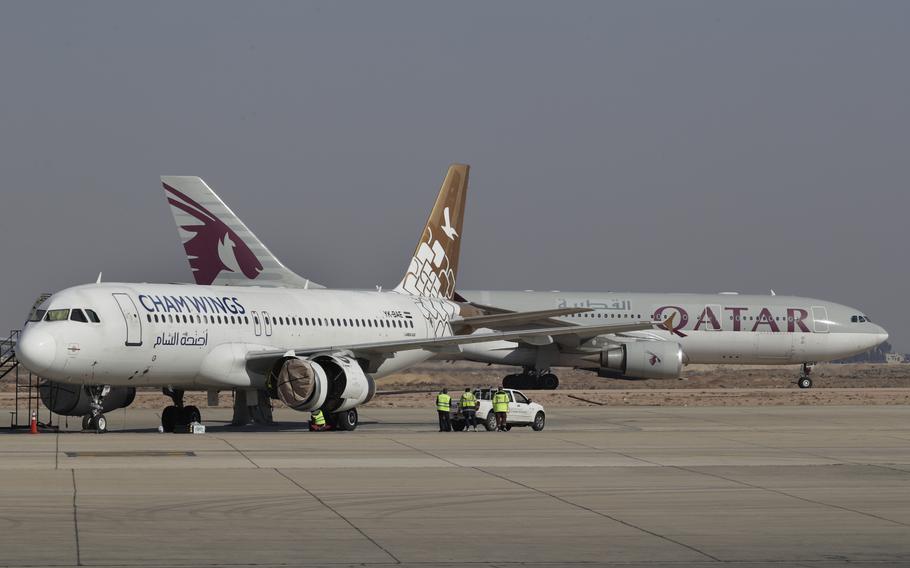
(317, 421)
(501, 408)
(443, 404)
(469, 409)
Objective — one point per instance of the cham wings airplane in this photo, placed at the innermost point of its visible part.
(310, 347)
(694, 328)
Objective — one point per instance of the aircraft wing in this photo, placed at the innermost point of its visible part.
(386, 349)
(510, 320)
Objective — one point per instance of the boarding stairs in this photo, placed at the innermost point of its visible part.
(26, 395)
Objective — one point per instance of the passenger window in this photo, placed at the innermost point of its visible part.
(92, 316)
(148, 317)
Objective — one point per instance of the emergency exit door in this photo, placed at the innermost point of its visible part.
(131, 317)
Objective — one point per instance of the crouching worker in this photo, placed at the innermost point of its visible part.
(317, 422)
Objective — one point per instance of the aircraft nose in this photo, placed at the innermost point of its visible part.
(36, 350)
(881, 335)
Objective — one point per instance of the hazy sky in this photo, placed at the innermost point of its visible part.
(647, 146)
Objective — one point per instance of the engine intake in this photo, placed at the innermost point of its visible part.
(75, 400)
(642, 360)
(333, 383)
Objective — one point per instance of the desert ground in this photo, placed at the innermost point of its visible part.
(701, 385)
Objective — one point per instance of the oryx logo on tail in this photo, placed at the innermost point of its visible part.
(212, 246)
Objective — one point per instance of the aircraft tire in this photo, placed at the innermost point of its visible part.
(169, 418)
(347, 420)
(549, 381)
(191, 414)
(98, 423)
(86, 421)
(512, 381)
(804, 383)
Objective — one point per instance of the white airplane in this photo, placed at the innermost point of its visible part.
(310, 347)
(695, 328)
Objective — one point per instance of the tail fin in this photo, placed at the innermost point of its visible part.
(221, 250)
(434, 266)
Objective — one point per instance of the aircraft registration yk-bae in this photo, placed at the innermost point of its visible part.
(310, 347)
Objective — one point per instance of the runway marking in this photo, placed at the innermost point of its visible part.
(599, 513)
(76, 521)
(340, 516)
(239, 451)
(425, 452)
(131, 454)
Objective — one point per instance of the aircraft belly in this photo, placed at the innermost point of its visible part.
(402, 360)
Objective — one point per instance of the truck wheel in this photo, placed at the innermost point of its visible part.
(540, 420)
(490, 422)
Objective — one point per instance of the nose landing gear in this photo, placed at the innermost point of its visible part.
(804, 382)
(95, 420)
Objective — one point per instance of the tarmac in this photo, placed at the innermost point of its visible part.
(753, 487)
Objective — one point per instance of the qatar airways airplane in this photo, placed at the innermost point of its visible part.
(310, 347)
(694, 328)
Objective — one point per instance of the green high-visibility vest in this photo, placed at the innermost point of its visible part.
(443, 402)
(468, 401)
(318, 418)
(500, 402)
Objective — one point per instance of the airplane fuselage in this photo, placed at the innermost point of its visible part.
(710, 328)
(191, 335)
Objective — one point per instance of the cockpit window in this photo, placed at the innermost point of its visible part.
(860, 319)
(92, 316)
(57, 315)
(37, 315)
(78, 315)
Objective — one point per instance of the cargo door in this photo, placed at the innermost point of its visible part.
(131, 317)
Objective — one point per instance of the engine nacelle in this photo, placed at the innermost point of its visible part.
(75, 400)
(642, 360)
(331, 382)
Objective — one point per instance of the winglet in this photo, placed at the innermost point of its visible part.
(434, 265)
(221, 250)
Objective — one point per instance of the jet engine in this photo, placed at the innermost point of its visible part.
(75, 400)
(642, 360)
(333, 383)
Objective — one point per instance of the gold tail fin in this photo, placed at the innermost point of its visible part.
(434, 266)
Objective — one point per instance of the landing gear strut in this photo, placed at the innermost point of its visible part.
(178, 415)
(95, 420)
(804, 381)
(531, 379)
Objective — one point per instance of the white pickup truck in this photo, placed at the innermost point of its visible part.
(522, 412)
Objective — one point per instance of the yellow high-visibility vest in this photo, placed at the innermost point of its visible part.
(443, 402)
(500, 402)
(318, 418)
(468, 401)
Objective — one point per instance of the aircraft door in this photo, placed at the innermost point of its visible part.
(257, 324)
(131, 317)
(267, 323)
(820, 319)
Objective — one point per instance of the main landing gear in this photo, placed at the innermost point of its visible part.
(345, 420)
(95, 420)
(531, 379)
(804, 382)
(177, 415)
